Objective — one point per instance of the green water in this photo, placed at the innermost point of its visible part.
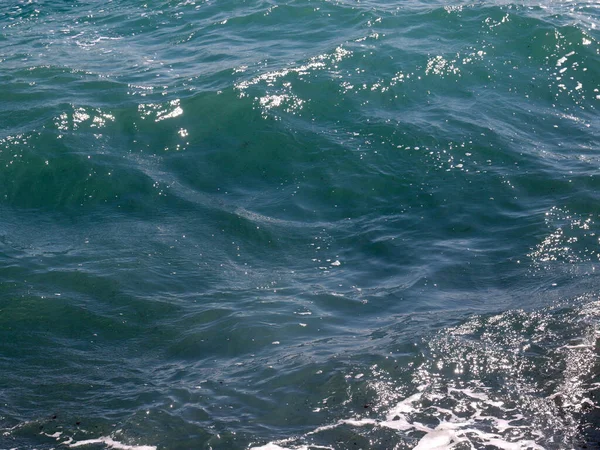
(299, 225)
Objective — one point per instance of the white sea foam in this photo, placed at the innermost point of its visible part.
(111, 443)
(446, 409)
(446, 435)
(276, 446)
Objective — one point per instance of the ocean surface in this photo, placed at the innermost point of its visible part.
(301, 224)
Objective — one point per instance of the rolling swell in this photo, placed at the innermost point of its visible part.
(298, 225)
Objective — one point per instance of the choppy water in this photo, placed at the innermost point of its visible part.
(307, 224)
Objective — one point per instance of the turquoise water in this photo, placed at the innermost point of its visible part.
(299, 225)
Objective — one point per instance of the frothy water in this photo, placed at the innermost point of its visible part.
(299, 225)
(516, 380)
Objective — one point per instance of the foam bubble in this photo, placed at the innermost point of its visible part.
(495, 400)
(111, 443)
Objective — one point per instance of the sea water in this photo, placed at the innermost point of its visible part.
(302, 224)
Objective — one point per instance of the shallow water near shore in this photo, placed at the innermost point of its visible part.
(299, 225)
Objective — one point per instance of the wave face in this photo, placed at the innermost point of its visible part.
(308, 224)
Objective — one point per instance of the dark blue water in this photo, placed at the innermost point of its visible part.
(307, 224)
